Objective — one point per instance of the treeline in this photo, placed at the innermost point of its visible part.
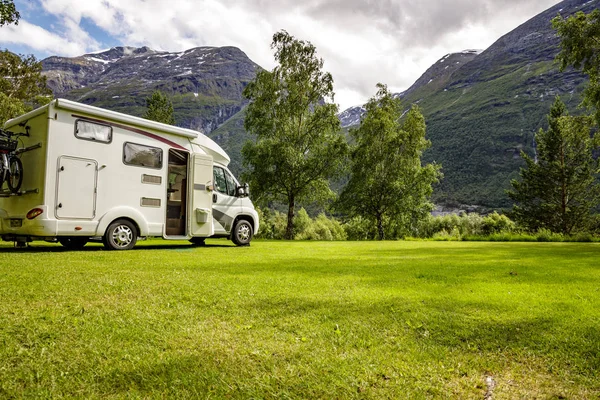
(451, 227)
(299, 148)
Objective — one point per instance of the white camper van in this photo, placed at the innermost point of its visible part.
(93, 174)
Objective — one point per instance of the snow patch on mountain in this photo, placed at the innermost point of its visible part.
(351, 116)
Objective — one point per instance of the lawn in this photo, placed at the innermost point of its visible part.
(302, 320)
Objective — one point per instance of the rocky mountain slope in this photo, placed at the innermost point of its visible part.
(205, 83)
(434, 78)
(483, 109)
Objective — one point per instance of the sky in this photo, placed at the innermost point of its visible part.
(362, 42)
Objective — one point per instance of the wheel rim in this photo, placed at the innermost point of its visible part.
(122, 236)
(243, 233)
(15, 174)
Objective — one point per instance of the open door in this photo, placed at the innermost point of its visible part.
(177, 193)
(200, 219)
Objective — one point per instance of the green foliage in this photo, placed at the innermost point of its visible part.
(22, 87)
(560, 189)
(321, 228)
(273, 226)
(495, 223)
(388, 185)
(298, 145)
(159, 108)
(580, 48)
(359, 228)
(465, 225)
(8, 13)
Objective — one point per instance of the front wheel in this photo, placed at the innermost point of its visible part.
(120, 235)
(15, 174)
(242, 233)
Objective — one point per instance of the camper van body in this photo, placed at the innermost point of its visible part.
(94, 174)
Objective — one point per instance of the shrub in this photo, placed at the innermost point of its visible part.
(359, 228)
(545, 235)
(272, 224)
(496, 223)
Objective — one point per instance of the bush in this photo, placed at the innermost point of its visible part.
(359, 228)
(272, 224)
(443, 235)
(322, 228)
(545, 235)
(496, 223)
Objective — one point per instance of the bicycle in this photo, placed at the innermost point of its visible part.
(11, 167)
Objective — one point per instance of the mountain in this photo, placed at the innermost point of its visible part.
(483, 109)
(435, 75)
(204, 83)
(351, 116)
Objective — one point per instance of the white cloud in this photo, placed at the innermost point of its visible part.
(362, 42)
(41, 40)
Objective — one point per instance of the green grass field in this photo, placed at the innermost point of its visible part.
(302, 320)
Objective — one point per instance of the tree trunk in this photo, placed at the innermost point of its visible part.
(380, 231)
(289, 229)
(563, 193)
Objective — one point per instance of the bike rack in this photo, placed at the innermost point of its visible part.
(32, 147)
(7, 193)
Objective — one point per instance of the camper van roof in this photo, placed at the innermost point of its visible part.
(196, 137)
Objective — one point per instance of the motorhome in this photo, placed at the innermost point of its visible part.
(91, 174)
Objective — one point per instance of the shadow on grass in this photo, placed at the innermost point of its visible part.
(185, 376)
(91, 248)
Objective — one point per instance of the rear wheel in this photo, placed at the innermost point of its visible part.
(15, 174)
(120, 235)
(73, 242)
(242, 233)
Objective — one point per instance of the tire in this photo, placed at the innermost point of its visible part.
(73, 242)
(3, 171)
(15, 175)
(242, 233)
(120, 235)
(198, 241)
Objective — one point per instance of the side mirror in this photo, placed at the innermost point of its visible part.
(243, 190)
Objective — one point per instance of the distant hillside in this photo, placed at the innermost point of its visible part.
(483, 109)
(204, 83)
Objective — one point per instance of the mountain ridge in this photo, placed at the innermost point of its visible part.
(205, 83)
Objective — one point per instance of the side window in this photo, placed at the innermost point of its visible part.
(219, 178)
(142, 156)
(87, 130)
(230, 184)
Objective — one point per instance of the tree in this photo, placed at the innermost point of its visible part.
(8, 13)
(559, 190)
(580, 48)
(159, 108)
(388, 184)
(22, 85)
(299, 144)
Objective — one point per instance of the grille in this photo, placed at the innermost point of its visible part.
(153, 179)
(149, 202)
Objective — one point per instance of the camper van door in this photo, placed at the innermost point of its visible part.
(200, 220)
